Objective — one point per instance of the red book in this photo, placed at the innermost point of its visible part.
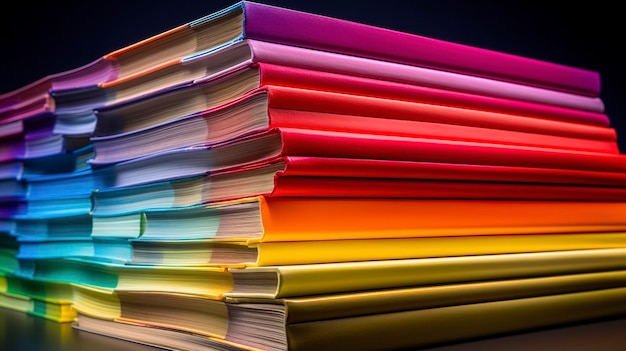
(286, 142)
(368, 178)
(426, 92)
(319, 177)
(299, 142)
(277, 106)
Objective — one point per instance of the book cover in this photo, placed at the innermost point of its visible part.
(456, 323)
(45, 290)
(316, 279)
(36, 209)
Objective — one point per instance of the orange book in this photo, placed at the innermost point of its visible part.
(268, 219)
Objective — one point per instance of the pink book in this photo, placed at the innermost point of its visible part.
(419, 76)
(34, 97)
(249, 20)
(211, 65)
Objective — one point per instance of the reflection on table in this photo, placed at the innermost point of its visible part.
(21, 332)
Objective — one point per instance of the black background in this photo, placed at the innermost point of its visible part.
(43, 38)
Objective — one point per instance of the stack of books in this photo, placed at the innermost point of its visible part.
(40, 142)
(268, 179)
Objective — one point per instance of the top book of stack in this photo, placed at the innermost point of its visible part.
(249, 20)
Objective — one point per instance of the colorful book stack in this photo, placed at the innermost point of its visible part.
(268, 179)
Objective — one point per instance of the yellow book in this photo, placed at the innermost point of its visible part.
(46, 299)
(416, 323)
(96, 302)
(232, 254)
(223, 319)
(54, 310)
(328, 278)
(314, 279)
(16, 302)
(106, 275)
(421, 328)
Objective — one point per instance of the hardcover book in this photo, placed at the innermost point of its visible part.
(278, 219)
(199, 252)
(289, 321)
(327, 278)
(249, 20)
(436, 326)
(294, 176)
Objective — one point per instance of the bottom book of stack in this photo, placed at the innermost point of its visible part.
(384, 305)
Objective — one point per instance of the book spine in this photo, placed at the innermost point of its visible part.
(289, 98)
(324, 251)
(416, 298)
(281, 118)
(330, 278)
(304, 186)
(382, 86)
(300, 142)
(342, 167)
(456, 323)
(352, 218)
(363, 67)
(290, 27)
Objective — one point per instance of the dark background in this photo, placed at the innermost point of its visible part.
(39, 39)
(42, 38)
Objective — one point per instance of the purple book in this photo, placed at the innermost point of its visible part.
(248, 20)
(34, 97)
(286, 26)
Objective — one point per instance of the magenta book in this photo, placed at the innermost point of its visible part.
(286, 26)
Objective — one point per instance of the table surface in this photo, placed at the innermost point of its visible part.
(21, 332)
